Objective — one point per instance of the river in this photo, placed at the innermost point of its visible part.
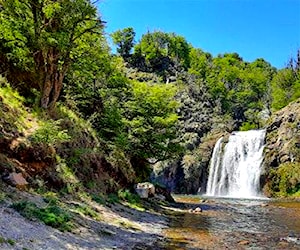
(234, 224)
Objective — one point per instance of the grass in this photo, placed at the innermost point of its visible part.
(2, 197)
(8, 241)
(12, 111)
(128, 225)
(51, 215)
(87, 211)
(99, 199)
(132, 200)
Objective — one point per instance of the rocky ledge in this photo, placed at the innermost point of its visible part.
(283, 136)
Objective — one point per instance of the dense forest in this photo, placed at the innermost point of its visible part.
(77, 116)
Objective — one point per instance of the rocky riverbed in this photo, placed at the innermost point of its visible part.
(190, 223)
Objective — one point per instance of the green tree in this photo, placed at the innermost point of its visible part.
(242, 88)
(151, 121)
(200, 62)
(286, 84)
(124, 39)
(162, 51)
(43, 35)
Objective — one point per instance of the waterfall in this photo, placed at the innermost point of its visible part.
(235, 169)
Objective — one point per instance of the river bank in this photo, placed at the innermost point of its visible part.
(217, 224)
(107, 226)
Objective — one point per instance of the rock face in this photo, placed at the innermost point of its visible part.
(282, 147)
(283, 136)
(197, 111)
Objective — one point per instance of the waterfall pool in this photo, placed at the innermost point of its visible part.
(226, 223)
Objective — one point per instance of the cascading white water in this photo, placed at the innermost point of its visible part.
(236, 168)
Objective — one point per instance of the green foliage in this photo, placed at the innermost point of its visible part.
(285, 87)
(151, 120)
(8, 241)
(2, 197)
(126, 195)
(51, 198)
(67, 175)
(45, 37)
(113, 198)
(12, 111)
(124, 39)
(86, 210)
(51, 215)
(161, 50)
(99, 198)
(248, 126)
(200, 62)
(240, 87)
(50, 133)
(285, 180)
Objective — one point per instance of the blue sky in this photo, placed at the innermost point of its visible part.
(268, 29)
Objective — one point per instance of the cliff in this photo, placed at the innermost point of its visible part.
(282, 152)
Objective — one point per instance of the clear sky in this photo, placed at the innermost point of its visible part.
(268, 29)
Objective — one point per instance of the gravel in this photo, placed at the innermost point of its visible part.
(17, 232)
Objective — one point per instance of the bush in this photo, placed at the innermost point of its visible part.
(51, 215)
(50, 133)
(126, 195)
(248, 126)
(285, 180)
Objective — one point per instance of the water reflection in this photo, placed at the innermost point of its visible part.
(235, 224)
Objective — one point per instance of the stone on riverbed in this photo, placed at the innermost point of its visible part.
(145, 189)
(196, 210)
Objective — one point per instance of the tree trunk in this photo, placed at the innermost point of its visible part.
(53, 77)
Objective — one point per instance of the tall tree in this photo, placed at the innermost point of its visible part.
(124, 39)
(42, 35)
(151, 121)
(286, 84)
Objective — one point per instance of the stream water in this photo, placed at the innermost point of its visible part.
(234, 224)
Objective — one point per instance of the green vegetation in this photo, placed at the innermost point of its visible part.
(286, 84)
(78, 117)
(285, 180)
(50, 133)
(51, 215)
(8, 241)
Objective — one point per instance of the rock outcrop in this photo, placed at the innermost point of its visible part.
(282, 152)
(283, 136)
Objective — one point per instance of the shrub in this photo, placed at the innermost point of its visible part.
(126, 195)
(285, 180)
(51, 215)
(50, 133)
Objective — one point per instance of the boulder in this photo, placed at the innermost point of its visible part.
(145, 189)
(197, 210)
(17, 180)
